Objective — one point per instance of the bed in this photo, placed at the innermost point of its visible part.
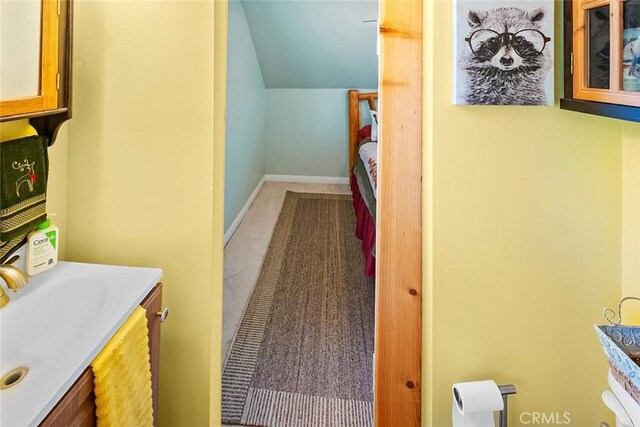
(363, 174)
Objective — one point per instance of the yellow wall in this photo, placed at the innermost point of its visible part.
(57, 186)
(141, 191)
(15, 129)
(631, 214)
(524, 248)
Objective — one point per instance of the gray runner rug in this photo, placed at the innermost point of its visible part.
(302, 355)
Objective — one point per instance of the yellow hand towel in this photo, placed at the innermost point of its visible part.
(123, 376)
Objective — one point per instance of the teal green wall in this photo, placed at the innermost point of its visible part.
(288, 73)
(246, 103)
(307, 132)
(315, 44)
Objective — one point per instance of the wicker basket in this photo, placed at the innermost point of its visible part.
(625, 382)
(621, 345)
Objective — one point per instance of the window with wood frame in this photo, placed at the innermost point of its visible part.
(602, 58)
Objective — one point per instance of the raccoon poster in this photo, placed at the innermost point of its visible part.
(503, 52)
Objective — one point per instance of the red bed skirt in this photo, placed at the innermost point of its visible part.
(365, 228)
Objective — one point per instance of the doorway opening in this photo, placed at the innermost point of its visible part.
(302, 310)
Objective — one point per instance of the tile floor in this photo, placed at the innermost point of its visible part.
(245, 251)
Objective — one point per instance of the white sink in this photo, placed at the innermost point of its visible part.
(57, 325)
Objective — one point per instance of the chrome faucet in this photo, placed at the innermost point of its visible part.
(13, 277)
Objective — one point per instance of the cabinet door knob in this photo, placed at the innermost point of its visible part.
(163, 315)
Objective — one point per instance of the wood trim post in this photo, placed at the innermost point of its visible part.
(397, 366)
(372, 104)
(354, 123)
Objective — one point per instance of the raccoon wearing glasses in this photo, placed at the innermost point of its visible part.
(505, 58)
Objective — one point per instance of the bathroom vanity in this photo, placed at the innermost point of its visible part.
(56, 326)
(78, 408)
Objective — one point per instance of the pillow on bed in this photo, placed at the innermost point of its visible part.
(369, 154)
(364, 133)
(374, 126)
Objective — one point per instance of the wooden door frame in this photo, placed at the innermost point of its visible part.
(398, 330)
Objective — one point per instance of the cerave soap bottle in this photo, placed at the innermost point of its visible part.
(42, 248)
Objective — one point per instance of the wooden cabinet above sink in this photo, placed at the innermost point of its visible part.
(35, 63)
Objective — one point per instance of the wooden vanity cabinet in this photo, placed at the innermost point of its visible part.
(77, 407)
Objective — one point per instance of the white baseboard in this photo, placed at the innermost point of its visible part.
(303, 179)
(307, 179)
(236, 222)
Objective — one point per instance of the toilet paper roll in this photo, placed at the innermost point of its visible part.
(481, 419)
(475, 402)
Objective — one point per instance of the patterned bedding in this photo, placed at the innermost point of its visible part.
(365, 187)
(368, 153)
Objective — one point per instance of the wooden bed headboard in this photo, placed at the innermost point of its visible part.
(355, 97)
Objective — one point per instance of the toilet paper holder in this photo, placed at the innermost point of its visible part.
(485, 391)
(505, 390)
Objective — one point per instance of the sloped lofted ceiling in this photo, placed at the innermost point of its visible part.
(315, 43)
